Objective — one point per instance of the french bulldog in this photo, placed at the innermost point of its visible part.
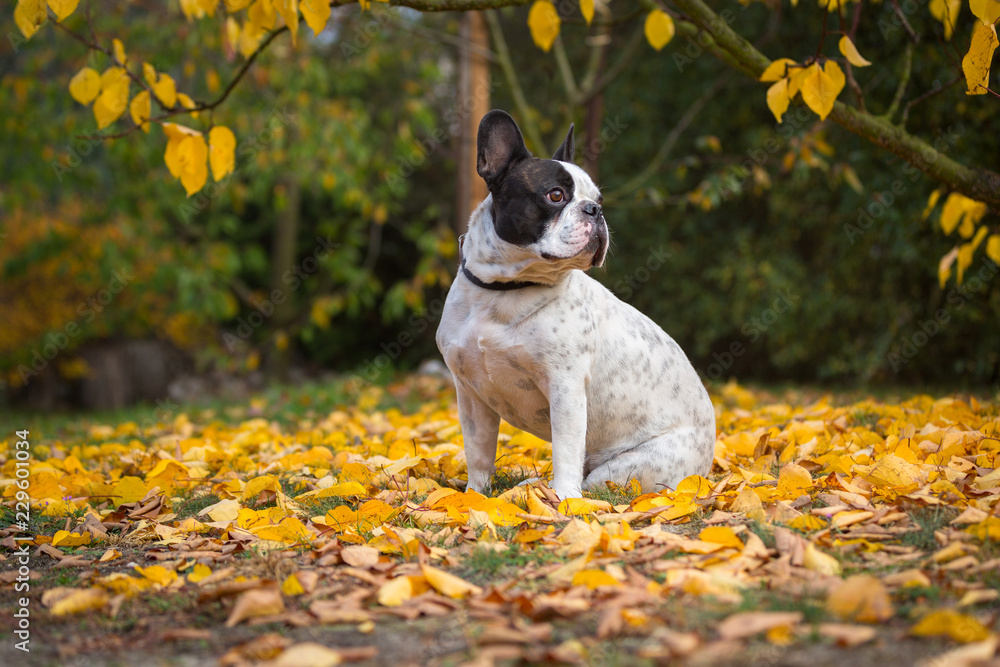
(532, 339)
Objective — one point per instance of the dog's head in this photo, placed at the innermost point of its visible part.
(548, 207)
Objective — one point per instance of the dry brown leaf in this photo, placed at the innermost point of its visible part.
(254, 603)
(357, 555)
(861, 598)
(847, 635)
(306, 654)
(747, 624)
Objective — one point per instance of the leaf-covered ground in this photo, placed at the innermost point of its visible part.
(305, 528)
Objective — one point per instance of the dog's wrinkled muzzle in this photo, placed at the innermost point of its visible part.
(598, 243)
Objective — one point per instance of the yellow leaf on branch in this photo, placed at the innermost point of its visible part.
(185, 101)
(140, 109)
(659, 28)
(778, 69)
(987, 11)
(113, 100)
(543, 22)
(208, 6)
(976, 63)
(821, 87)
(85, 85)
(946, 11)
(316, 13)
(962, 212)
(29, 15)
(63, 8)
(192, 9)
(944, 266)
(993, 248)
(119, 50)
(186, 156)
(587, 9)
(165, 90)
(778, 99)
(222, 151)
(261, 17)
(289, 10)
(849, 51)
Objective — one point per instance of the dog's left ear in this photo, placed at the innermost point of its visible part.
(565, 152)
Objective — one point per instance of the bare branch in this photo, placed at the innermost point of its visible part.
(528, 123)
(670, 141)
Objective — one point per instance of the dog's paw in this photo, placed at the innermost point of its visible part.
(568, 492)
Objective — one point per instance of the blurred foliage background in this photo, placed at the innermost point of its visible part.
(793, 252)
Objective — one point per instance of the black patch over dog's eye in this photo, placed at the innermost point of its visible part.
(555, 195)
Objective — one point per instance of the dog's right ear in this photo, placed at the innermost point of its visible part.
(499, 146)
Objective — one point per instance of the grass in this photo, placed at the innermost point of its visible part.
(484, 566)
(928, 520)
(189, 507)
(614, 494)
(505, 479)
(812, 606)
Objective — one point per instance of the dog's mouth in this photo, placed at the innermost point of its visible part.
(596, 248)
(598, 244)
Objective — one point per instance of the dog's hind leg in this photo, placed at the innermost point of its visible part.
(659, 463)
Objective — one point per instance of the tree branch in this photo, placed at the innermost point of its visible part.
(565, 71)
(669, 142)
(507, 65)
(904, 81)
(205, 106)
(624, 58)
(980, 184)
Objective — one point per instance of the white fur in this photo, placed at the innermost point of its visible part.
(569, 363)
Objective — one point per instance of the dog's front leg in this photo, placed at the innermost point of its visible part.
(480, 428)
(568, 416)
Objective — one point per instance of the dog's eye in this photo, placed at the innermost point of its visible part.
(555, 195)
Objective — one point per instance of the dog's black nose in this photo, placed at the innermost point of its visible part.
(592, 209)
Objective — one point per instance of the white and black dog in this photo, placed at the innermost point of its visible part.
(532, 339)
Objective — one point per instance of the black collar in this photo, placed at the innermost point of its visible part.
(499, 287)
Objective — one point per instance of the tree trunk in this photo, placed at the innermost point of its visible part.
(474, 99)
(283, 254)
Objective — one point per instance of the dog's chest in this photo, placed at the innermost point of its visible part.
(502, 365)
